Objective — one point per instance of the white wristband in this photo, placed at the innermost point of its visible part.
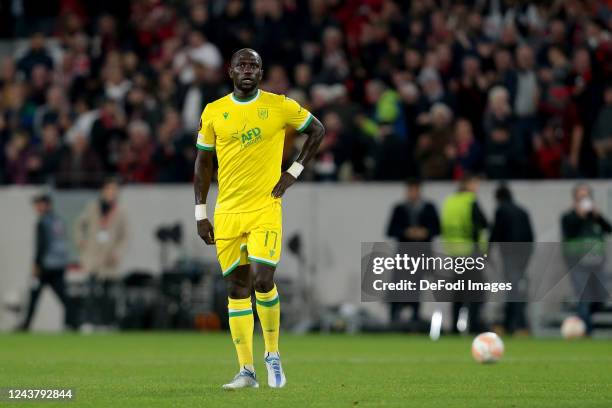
(296, 169)
(200, 212)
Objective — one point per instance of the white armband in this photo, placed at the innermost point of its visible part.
(296, 169)
(200, 212)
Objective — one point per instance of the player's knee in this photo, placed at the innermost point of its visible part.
(238, 290)
(263, 284)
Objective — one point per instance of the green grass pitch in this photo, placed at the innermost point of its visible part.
(186, 370)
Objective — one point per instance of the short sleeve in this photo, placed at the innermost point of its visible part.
(295, 115)
(206, 134)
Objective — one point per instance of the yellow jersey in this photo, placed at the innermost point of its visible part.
(248, 136)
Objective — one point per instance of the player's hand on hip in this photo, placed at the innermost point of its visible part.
(286, 180)
(206, 232)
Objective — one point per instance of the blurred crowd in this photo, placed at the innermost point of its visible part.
(434, 89)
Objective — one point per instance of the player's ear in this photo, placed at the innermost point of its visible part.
(230, 72)
(260, 73)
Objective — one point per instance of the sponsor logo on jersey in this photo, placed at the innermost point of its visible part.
(248, 137)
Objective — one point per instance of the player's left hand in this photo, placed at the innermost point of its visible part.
(286, 180)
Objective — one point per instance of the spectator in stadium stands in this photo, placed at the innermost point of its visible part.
(602, 135)
(587, 94)
(35, 55)
(561, 113)
(502, 155)
(390, 157)
(50, 112)
(548, 152)
(354, 145)
(19, 110)
(199, 52)
(329, 155)
(20, 161)
(433, 89)
(583, 230)
(302, 77)
(108, 133)
(193, 96)
(276, 80)
(334, 64)
(38, 84)
(116, 85)
(465, 151)
(462, 231)
(513, 225)
(101, 235)
(173, 157)
(432, 150)
(471, 96)
(50, 256)
(499, 111)
(141, 106)
(413, 220)
(524, 90)
(136, 154)
(386, 107)
(502, 72)
(79, 165)
(49, 153)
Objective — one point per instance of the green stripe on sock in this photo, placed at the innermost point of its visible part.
(268, 303)
(241, 313)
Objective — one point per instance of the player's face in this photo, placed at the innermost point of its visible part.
(246, 72)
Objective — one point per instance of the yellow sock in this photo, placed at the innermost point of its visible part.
(268, 310)
(241, 325)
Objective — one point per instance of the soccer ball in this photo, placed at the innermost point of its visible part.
(487, 348)
(573, 327)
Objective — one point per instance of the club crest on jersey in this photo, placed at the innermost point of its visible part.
(262, 113)
(225, 115)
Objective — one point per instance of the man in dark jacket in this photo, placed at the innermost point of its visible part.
(513, 225)
(584, 230)
(50, 255)
(414, 220)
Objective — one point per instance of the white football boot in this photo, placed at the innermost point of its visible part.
(244, 379)
(276, 376)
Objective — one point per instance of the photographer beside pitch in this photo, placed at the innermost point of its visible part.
(247, 130)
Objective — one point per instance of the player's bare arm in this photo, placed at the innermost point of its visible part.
(314, 136)
(202, 177)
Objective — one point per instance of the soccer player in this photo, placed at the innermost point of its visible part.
(247, 130)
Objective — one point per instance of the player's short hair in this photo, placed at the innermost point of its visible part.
(243, 50)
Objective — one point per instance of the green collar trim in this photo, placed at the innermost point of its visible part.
(245, 101)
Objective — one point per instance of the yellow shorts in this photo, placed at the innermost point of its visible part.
(247, 237)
